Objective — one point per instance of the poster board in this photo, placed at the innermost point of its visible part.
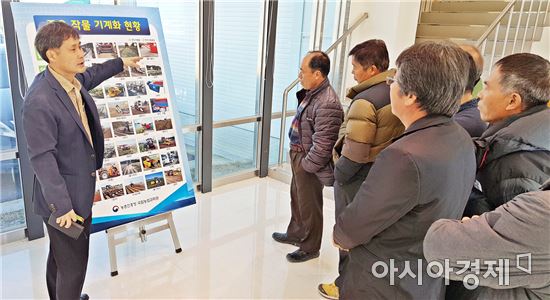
(145, 171)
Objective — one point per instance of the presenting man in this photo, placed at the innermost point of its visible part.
(424, 175)
(65, 145)
(369, 127)
(313, 132)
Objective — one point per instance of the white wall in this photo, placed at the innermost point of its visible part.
(542, 47)
(393, 21)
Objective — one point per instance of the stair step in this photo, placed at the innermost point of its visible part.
(482, 6)
(489, 46)
(472, 32)
(480, 18)
(509, 47)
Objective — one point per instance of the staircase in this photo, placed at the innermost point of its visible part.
(498, 28)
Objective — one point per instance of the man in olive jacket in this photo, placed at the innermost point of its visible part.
(369, 127)
(313, 132)
(426, 174)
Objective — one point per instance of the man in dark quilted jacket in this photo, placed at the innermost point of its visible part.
(313, 133)
(514, 152)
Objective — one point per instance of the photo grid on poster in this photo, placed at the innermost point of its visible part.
(141, 152)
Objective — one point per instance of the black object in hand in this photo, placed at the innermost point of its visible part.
(74, 231)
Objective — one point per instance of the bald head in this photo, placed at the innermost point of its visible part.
(476, 55)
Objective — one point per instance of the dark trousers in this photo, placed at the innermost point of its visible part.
(343, 196)
(306, 204)
(67, 262)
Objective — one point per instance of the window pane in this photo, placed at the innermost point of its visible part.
(330, 28)
(180, 25)
(191, 140)
(293, 35)
(274, 141)
(237, 36)
(234, 149)
(12, 208)
(7, 124)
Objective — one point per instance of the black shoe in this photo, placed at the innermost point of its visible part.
(283, 238)
(84, 297)
(301, 256)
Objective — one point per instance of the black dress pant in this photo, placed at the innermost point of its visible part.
(306, 203)
(67, 262)
(343, 196)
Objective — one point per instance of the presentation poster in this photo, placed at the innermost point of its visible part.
(145, 171)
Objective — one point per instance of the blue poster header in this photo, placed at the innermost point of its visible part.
(99, 25)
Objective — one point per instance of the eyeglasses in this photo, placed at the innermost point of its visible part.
(390, 80)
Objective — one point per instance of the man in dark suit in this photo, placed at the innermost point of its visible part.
(426, 174)
(65, 145)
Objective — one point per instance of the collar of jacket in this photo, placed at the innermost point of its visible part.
(470, 104)
(425, 122)
(494, 128)
(54, 83)
(525, 131)
(303, 93)
(374, 80)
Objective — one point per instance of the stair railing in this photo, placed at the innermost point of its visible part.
(494, 28)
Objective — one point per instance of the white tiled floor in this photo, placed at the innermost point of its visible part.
(228, 252)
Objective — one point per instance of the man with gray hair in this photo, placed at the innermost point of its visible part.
(514, 152)
(426, 174)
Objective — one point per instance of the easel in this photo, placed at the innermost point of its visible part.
(142, 233)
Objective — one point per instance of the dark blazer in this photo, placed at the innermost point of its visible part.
(469, 118)
(63, 160)
(425, 175)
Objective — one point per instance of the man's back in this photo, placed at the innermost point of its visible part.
(434, 181)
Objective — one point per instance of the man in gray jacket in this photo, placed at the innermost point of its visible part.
(313, 132)
(515, 234)
(424, 175)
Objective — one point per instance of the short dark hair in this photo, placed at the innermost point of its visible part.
(371, 52)
(528, 75)
(473, 76)
(320, 61)
(436, 73)
(52, 36)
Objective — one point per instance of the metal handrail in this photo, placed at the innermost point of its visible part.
(485, 35)
(495, 27)
(287, 90)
